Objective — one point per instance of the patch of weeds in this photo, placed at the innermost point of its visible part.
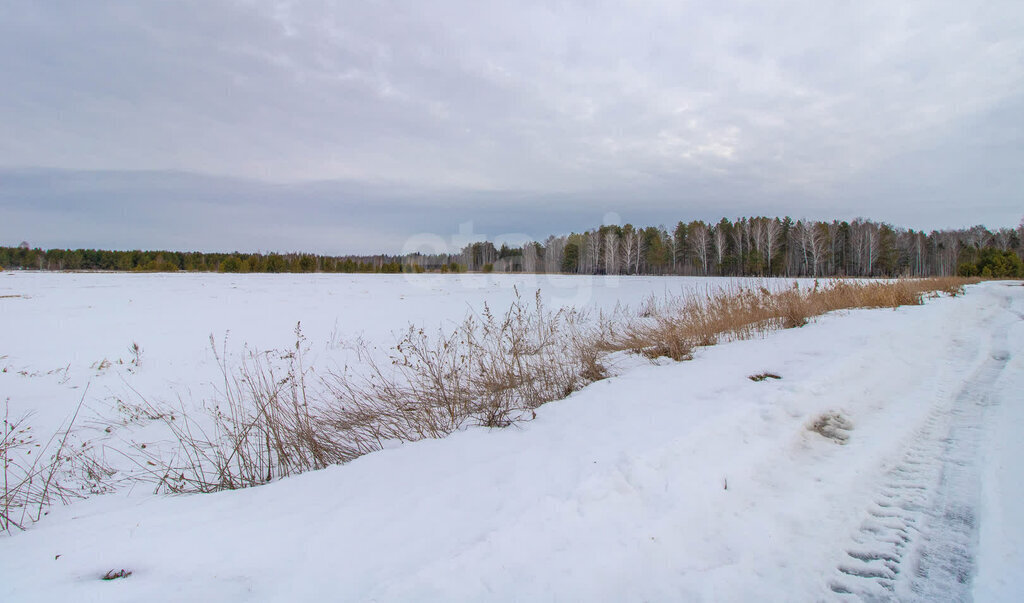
(115, 574)
(137, 413)
(59, 372)
(135, 352)
(32, 475)
(92, 473)
(762, 376)
(65, 374)
(833, 426)
(648, 308)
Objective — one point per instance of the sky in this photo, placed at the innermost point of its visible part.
(354, 127)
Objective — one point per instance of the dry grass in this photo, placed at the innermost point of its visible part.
(261, 427)
(274, 417)
(491, 371)
(33, 471)
(676, 326)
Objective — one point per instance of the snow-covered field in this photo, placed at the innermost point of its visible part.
(61, 330)
(676, 482)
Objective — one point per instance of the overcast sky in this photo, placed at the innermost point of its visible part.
(350, 126)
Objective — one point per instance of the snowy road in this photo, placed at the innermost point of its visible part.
(919, 537)
(682, 482)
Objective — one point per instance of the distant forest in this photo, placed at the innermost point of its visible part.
(758, 246)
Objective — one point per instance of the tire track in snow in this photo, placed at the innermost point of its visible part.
(918, 538)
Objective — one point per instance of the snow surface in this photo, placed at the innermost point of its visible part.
(684, 481)
(59, 328)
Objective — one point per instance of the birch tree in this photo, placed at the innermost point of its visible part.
(553, 249)
(640, 241)
(530, 257)
(737, 243)
(593, 251)
(772, 231)
(719, 241)
(757, 239)
(611, 252)
(699, 241)
(629, 237)
(833, 240)
(819, 245)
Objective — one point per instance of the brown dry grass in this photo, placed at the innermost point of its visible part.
(262, 426)
(274, 417)
(676, 326)
(493, 370)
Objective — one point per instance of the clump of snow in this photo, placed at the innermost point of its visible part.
(832, 425)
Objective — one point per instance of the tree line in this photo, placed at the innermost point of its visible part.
(27, 258)
(763, 246)
(754, 246)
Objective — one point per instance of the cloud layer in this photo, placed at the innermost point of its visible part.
(908, 111)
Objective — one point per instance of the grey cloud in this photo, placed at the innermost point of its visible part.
(652, 109)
